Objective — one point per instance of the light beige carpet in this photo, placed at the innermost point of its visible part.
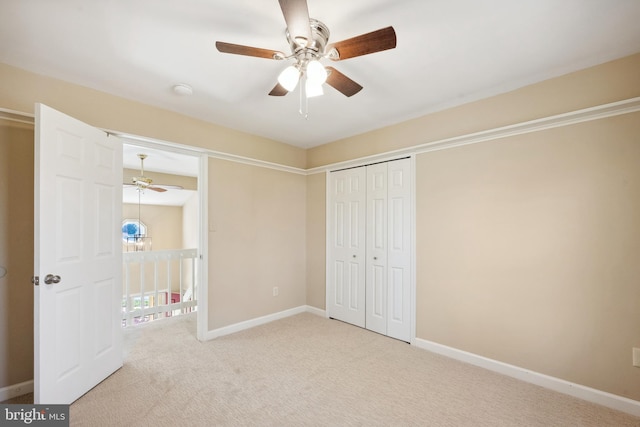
(310, 371)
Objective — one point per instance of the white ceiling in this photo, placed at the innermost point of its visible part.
(449, 52)
(163, 161)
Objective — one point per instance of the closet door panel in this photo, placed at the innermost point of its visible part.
(397, 283)
(338, 281)
(345, 287)
(399, 250)
(377, 239)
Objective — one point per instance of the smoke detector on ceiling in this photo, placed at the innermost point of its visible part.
(182, 89)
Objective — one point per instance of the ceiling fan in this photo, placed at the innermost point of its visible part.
(308, 39)
(144, 183)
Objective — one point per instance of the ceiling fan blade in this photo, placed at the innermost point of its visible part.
(170, 186)
(375, 41)
(296, 15)
(238, 49)
(278, 90)
(342, 83)
(156, 189)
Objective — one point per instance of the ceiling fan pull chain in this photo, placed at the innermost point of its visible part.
(304, 100)
(300, 101)
(301, 107)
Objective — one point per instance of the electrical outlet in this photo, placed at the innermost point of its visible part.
(276, 292)
(636, 357)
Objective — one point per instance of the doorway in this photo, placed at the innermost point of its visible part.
(162, 239)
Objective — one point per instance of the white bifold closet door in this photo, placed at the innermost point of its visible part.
(345, 290)
(380, 299)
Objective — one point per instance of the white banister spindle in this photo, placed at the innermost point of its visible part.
(180, 282)
(169, 302)
(155, 290)
(127, 293)
(142, 286)
(193, 282)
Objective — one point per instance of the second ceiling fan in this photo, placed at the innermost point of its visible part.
(308, 40)
(143, 182)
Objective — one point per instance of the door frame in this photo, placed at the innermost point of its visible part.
(328, 254)
(202, 314)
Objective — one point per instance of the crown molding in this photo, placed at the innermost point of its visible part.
(193, 150)
(626, 106)
(16, 116)
(612, 109)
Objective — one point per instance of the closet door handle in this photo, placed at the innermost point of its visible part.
(375, 257)
(354, 256)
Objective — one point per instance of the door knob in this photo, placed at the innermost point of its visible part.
(50, 278)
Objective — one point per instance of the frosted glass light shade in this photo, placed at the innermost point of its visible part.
(289, 77)
(316, 72)
(313, 89)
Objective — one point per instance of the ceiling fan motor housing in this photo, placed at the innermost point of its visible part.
(315, 48)
(142, 181)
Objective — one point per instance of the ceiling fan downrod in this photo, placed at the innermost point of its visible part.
(141, 181)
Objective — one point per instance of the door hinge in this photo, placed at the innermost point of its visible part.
(35, 280)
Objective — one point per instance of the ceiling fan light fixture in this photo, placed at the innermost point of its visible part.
(316, 73)
(313, 89)
(289, 78)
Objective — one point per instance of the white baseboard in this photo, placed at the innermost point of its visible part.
(316, 311)
(16, 390)
(576, 390)
(241, 326)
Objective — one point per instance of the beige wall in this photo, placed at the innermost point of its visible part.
(316, 240)
(164, 224)
(528, 251)
(16, 253)
(257, 220)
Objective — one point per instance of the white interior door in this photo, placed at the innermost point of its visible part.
(346, 243)
(78, 205)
